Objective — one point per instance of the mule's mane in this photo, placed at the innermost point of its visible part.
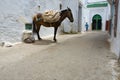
(64, 10)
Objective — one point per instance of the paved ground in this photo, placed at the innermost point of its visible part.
(75, 57)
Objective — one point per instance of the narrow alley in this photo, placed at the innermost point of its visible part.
(74, 57)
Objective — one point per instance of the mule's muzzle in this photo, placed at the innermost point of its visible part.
(71, 20)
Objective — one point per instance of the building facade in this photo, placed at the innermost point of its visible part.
(115, 26)
(14, 14)
(98, 15)
(78, 9)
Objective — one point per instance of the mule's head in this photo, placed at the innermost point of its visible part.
(70, 15)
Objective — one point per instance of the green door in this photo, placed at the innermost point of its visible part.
(96, 22)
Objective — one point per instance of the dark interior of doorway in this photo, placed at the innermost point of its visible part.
(97, 22)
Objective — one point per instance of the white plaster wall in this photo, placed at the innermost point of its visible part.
(11, 12)
(115, 45)
(115, 41)
(102, 11)
(95, 0)
(108, 12)
(68, 26)
(85, 18)
(14, 13)
(75, 26)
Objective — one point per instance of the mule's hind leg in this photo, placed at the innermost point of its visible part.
(55, 31)
(37, 30)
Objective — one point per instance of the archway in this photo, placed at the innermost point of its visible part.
(97, 22)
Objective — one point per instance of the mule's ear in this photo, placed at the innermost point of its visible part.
(68, 8)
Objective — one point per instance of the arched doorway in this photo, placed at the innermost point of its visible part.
(97, 22)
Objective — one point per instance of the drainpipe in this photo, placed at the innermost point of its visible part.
(112, 16)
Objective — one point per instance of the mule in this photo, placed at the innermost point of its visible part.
(38, 21)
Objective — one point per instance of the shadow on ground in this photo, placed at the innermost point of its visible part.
(43, 42)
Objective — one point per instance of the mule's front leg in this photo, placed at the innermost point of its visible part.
(39, 38)
(55, 39)
(55, 31)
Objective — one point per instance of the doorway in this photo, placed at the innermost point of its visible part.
(97, 22)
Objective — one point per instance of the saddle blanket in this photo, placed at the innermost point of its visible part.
(51, 16)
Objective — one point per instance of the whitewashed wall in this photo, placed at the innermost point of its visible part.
(68, 26)
(115, 41)
(95, 0)
(85, 18)
(14, 13)
(10, 25)
(75, 26)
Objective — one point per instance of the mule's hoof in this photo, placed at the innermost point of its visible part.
(39, 38)
(55, 40)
